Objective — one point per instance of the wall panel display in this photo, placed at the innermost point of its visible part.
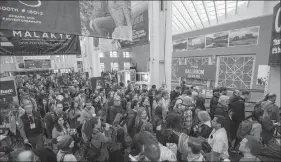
(217, 40)
(244, 36)
(235, 71)
(196, 42)
(180, 45)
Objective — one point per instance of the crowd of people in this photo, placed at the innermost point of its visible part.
(71, 122)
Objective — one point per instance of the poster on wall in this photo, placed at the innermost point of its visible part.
(20, 42)
(262, 75)
(203, 72)
(180, 45)
(216, 40)
(275, 51)
(106, 19)
(40, 15)
(196, 42)
(244, 36)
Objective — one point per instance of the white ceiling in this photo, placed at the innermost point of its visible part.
(193, 14)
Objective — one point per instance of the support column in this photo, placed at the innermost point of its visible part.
(93, 58)
(160, 19)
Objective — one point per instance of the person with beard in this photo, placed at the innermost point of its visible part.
(237, 107)
(30, 125)
(51, 118)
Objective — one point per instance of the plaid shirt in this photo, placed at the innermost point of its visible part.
(187, 116)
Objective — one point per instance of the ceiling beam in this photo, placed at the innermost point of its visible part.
(197, 14)
(216, 11)
(177, 25)
(248, 4)
(181, 23)
(206, 12)
(189, 14)
(225, 8)
(182, 16)
(236, 7)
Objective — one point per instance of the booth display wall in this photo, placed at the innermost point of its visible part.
(259, 53)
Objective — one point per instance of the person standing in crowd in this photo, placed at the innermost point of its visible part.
(51, 118)
(115, 109)
(87, 112)
(31, 126)
(271, 108)
(65, 144)
(224, 99)
(250, 148)
(73, 114)
(43, 108)
(205, 127)
(237, 107)
(214, 101)
(218, 140)
(175, 93)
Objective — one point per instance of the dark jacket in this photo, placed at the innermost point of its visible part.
(26, 123)
(214, 104)
(114, 110)
(131, 123)
(237, 106)
(204, 131)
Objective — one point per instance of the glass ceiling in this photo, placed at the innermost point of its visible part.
(192, 15)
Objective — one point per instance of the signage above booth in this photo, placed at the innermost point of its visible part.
(204, 72)
(275, 51)
(19, 42)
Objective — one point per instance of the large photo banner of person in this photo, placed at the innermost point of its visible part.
(140, 29)
(275, 52)
(20, 42)
(106, 19)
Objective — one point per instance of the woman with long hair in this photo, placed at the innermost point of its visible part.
(73, 114)
(141, 118)
(60, 127)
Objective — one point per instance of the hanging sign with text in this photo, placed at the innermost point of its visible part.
(7, 88)
(204, 72)
(19, 42)
(275, 51)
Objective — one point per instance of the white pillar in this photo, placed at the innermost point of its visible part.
(160, 42)
(94, 58)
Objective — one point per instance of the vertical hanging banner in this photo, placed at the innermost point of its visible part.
(20, 42)
(104, 19)
(40, 15)
(274, 54)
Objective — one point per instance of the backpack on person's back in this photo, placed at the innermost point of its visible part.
(244, 129)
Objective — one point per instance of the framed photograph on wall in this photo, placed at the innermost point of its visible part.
(196, 42)
(180, 45)
(244, 36)
(216, 40)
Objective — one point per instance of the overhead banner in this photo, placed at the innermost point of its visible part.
(107, 19)
(204, 72)
(140, 27)
(274, 55)
(37, 64)
(19, 42)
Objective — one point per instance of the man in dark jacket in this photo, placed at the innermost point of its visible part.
(237, 108)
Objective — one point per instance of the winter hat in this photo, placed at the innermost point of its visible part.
(63, 142)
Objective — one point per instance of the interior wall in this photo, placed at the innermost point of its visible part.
(274, 83)
(261, 50)
(140, 55)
